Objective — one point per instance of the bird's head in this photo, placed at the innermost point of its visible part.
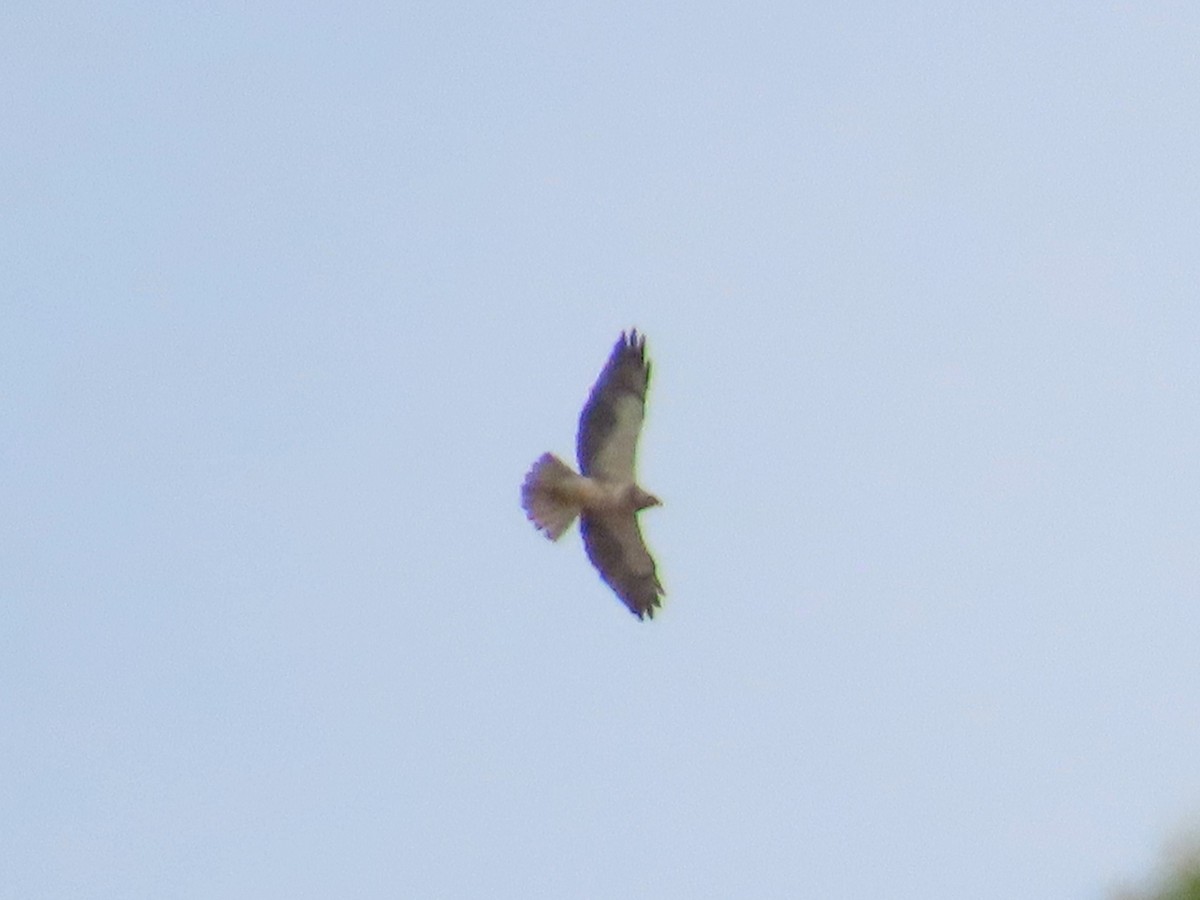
(644, 500)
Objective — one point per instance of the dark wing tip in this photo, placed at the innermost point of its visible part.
(647, 612)
(642, 599)
(633, 343)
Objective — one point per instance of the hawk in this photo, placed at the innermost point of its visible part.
(605, 496)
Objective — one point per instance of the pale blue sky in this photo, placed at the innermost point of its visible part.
(294, 293)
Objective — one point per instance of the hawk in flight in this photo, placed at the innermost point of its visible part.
(605, 496)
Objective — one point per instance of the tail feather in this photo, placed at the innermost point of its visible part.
(545, 502)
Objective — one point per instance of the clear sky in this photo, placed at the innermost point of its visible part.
(294, 293)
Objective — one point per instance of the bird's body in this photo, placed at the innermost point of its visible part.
(605, 496)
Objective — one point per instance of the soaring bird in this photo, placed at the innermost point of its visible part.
(605, 496)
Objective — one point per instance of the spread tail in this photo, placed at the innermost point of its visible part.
(546, 503)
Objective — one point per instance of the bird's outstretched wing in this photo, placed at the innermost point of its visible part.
(612, 419)
(615, 547)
